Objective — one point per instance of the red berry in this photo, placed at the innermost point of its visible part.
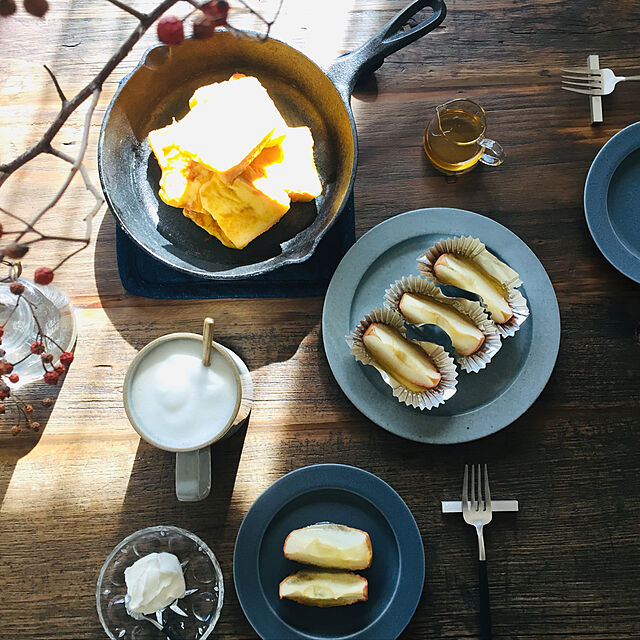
(60, 369)
(43, 275)
(170, 30)
(5, 367)
(36, 8)
(217, 10)
(1, 331)
(203, 27)
(37, 347)
(13, 378)
(5, 392)
(7, 8)
(17, 288)
(3, 408)
(66, 358)
(47, 358)
(51, 377)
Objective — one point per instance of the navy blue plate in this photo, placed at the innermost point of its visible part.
(345, 495)
(612, 201)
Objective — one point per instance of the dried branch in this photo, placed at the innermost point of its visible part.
(61, 95)
(128, 9)
(42, 146)
(74, 169)
(268, 23)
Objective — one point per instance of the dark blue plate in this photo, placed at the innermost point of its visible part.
(345, 495)
(612, 201)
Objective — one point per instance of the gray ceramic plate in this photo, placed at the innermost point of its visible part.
(485, 401)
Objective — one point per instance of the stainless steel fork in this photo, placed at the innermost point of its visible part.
(476, 511)
(592, 82)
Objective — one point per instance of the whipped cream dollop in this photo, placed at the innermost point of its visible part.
(154, 582)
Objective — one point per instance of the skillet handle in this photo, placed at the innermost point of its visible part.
(345, 71)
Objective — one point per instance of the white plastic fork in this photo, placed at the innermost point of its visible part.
(592, 82)
(477, 512)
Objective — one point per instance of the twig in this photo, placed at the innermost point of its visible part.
(61, 95)
(258, 15)
(128, 9)
(74, 169)
(71, 105)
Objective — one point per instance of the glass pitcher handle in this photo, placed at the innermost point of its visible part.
(493, 153)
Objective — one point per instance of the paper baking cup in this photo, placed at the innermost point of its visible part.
(475, 251)
(518, 304)
(440, 358)
(473, 311)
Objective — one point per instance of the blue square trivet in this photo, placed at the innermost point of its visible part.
(145, 276)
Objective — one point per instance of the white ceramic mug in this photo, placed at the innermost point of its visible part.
(193, 459)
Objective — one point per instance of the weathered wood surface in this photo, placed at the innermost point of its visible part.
(568, 565)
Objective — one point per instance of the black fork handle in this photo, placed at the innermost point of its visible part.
(485, 605)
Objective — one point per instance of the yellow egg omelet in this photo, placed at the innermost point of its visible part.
(237, 180)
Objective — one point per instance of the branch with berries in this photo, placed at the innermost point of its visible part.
(41, 347)
(18, 234)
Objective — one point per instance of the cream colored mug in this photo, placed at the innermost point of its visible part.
(145, 403)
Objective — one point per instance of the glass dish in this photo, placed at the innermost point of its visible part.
(203, 578)
(57, 321)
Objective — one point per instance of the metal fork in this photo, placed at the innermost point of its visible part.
(592, 82)
(477, 512)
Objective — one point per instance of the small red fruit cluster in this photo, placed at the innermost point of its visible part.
(214, 14)
(52, 377)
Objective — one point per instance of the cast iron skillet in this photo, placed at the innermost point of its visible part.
(159, 89)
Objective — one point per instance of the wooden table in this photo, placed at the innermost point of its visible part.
(568, 565)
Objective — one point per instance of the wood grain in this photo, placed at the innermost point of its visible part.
(568, 565)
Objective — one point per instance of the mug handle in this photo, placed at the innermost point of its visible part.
(493, 153)
(193, 474)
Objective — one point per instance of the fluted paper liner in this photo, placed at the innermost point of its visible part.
(440, 358)
(472, 311)
(475, 251)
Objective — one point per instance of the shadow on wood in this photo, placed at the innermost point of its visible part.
(15, 447)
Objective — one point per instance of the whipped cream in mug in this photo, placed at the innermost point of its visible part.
(154, 582)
